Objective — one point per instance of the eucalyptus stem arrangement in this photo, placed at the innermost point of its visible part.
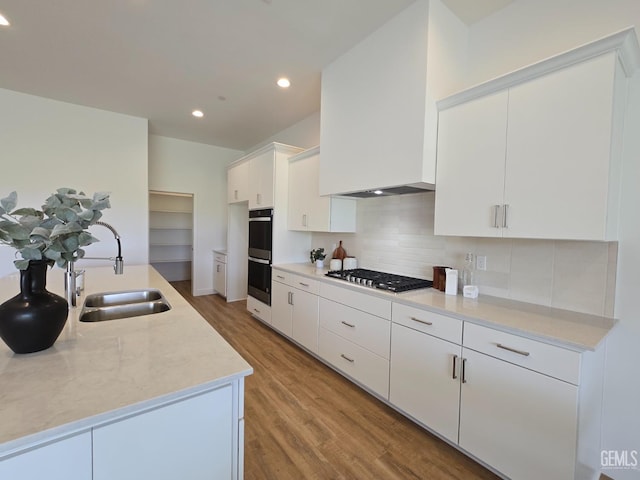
(57, 232)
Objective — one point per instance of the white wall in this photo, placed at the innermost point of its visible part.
(304, 134)
(46, 144)
(189, 167)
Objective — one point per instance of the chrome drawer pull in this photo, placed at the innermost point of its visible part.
(348, 324)
(256, 310)
(496, 209)
(280, 277)
(304, 284)
(347, 358)
(519, 352)
(421, 321)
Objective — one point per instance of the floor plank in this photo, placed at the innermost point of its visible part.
(305, 421)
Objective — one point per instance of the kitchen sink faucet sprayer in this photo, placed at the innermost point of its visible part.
(71, 289)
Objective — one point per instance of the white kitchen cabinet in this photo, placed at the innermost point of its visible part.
(66, 459)
(238, 182)
(171, 234)
(536, 153)
(531, 419)
(258, 309)
(191, 439)
(379, 118)
(220, 273)
(355, 336)
(424, 379)
(294, 308)
(261, 172)
(308, 211)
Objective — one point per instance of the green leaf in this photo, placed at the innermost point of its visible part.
(17, 231)
(39, 232)
(21, 264)
(51, 254)
(9, 202)
(66, 214)
(66, 191)
(71, 243)
(62, 229)
(27, 211)
(31, 253)
(61, 262)
(85, 238)
(100, 205)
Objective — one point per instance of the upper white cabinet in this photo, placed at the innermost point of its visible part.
(308, 211)
(238, 183)
(261, 171)
(536, 154)
(379, 118)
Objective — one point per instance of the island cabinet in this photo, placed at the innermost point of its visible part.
(308, 211)
(220, 273)
(65, 459)
(536, 153)
(354, 336)
(238, 183)
(426, 353)
(294, 308)
(186, 439)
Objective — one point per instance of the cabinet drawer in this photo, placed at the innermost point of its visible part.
(541, 357)
(365, 367)
(440, 326)
(297, 281)
(259, 309)
(220, 257)
(362, 301)
(361, 328)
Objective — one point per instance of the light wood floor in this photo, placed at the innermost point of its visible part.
(305, 421)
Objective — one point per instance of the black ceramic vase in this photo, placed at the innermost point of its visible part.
(32, 320)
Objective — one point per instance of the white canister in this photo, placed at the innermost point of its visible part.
(451, 285)
(335, 264)
(349, 263)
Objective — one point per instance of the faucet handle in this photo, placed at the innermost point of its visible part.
(118, 266)
(79, 281)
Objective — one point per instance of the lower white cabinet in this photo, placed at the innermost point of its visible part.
(294, 308)
(521, 422)
(425, 379)
(187, 439)
(259, 309)
(220, 273)
(67, 459)
(200, 437)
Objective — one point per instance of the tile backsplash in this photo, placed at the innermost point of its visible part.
(395, 234)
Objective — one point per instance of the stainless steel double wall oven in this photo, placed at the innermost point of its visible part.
(260, 248)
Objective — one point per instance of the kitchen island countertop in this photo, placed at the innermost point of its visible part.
(568, 329)
(97, 372)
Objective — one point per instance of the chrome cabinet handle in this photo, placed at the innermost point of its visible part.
(496, 210)
(256, 310)
(348, 324)
(421, 321)
(351, 360)
(464, 370)
(304, 284)
(235, 194)
(280, 277)
(454, 375)
(290, 299)
(514, 350)
(505, 213)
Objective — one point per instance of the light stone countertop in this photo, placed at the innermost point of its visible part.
(97, 372)
(572, 330)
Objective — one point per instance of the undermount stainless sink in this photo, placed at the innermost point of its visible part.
(130, 303)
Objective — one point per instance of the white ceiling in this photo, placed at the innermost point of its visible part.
(160, 59)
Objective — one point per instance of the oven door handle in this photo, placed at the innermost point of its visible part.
(261, 219)
(259, 260)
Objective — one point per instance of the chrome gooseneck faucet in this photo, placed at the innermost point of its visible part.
(71, 289)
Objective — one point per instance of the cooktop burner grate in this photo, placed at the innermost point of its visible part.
(380, 280)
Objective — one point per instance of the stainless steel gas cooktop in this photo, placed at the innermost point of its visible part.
(380, 280)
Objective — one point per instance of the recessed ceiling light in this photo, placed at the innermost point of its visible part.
(378, 192)
(197, 113)
(3, 21)
(283, 82)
